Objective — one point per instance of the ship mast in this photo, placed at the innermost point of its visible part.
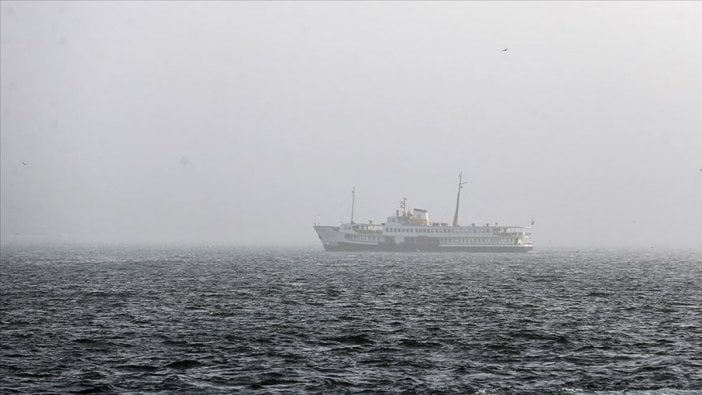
(353, 201)
(458, 198)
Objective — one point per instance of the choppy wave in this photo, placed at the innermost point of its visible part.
(223, 320)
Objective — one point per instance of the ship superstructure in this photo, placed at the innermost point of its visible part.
(413, 231)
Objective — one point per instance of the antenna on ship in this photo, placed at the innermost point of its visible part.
(458, 198)
(353, 201)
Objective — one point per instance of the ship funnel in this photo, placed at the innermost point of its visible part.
(421, 216)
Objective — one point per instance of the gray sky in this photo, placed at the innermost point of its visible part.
(245, 123)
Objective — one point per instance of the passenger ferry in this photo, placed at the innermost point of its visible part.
(412, 231)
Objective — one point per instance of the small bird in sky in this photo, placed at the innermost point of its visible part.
(24, 163)
(505, 50)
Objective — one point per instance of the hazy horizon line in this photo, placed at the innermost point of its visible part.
(14, 245)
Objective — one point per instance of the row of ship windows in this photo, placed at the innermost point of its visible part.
(362, 238)
(472, 240)
(438, 230)
(477, 240)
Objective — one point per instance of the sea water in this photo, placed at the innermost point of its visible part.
(222, 320)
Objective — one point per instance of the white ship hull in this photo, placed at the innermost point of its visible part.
(412, 231)
(459, 239)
